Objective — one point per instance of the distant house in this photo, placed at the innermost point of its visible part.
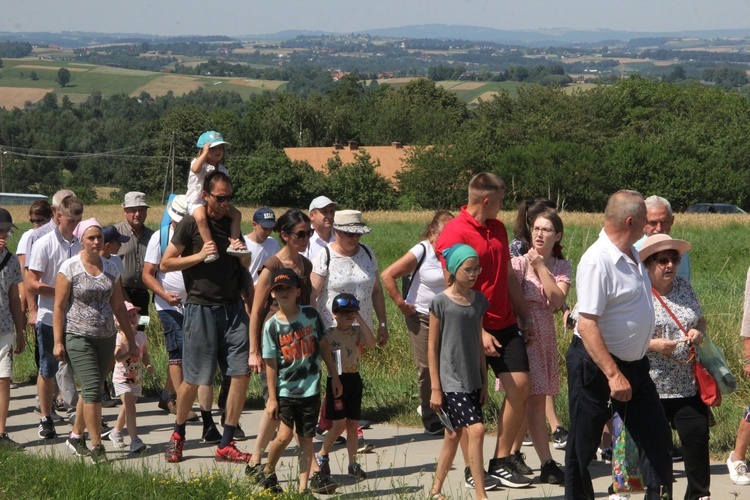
(20, 199)
(391, 158)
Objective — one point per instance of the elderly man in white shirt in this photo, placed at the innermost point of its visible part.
(322, 210)
(608, 369)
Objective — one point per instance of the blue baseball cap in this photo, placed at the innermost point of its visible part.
(265, 217)
(112, 234)
(212, 137)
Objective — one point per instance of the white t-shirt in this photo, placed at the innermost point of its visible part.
(117, 261)
(47, 255)
(355, 275)
(261, 253)
(316, 245)
(195, 181)
(616, 289)
(428, 280)
(172, 282)
(23, 242)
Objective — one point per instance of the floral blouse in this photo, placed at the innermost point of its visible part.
(672, 377)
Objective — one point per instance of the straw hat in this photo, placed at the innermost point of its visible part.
(659, 242)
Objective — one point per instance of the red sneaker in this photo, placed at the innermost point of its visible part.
(230, 453)
(173, 453)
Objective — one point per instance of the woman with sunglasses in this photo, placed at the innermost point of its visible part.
(680, 324)
(40, 213)
(294, 232)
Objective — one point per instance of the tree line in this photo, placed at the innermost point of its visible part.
(685, 142)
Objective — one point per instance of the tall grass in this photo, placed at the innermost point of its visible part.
(719, 264)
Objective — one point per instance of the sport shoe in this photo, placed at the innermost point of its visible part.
(503, 470)
(173, 453)
(212, 435)
(737, 471)
(240, 254)
(677, 455)
(7, 443)
(77, 446)
(254, 473)
(324, 464)
(268, 481)
(606, 455)
(322, 484)
(518, 461)
(355, 470)
(137, 445)
(230, 453)
(56, 417)
(239, 434)
(46, 429)
(365, 424)
(117, 439)
(551, 473)
(527, 441)
(211, 258)
(363, 446)
(559, 438)
(490, 483)
(106, 429)
(435, 429)
(320, 435)
(107, 400)
(98, 454)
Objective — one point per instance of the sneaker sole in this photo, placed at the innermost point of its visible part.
(325, 491)
(52, 436)
(225, 459)
(141, 449)
(487, 487)
(510, 484)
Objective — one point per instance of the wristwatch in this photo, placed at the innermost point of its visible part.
(383, 325)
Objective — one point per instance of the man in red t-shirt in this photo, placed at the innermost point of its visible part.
(504, 344)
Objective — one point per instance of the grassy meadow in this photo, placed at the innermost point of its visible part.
(719, 260)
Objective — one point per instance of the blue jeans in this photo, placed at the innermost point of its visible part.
(588, 399)
(171, 323)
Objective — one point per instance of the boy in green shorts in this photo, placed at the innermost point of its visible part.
(293, 343)
(345, 411)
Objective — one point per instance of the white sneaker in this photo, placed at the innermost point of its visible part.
(211, 258)
(737, 471)
(137, 446)
(117, 439)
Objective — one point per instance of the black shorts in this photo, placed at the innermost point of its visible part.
(463, 408)
(300, 414)
(513, 356)
(349, 405)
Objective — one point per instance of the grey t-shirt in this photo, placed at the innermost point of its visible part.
(460, 345)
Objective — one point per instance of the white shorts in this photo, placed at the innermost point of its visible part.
(6, 354)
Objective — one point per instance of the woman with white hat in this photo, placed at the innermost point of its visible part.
(680, 324)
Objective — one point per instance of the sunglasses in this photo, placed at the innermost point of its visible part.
(222, 199)
(665, 259)
(304, 234)
(343, 302)
(37, 221)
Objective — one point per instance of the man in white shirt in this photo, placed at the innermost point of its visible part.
(259, 241)
(659, 221)
(607, 363)
(47, 255)
(322, 210)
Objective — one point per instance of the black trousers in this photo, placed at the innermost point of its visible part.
(589, 397)
(689, 417)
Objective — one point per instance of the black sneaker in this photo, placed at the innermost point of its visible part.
(518, 461)
(503, 470)
(320, 435)
(490, 483)
(107, 400)
(239, 434)
(355, 471)
(606, 455)
(212, 435)
(677, 455)
(77, 446)
(559, 438)
(322, 484)
(106, 430)
(269, 482)
(98, 454)
(254, 473)
(552, 473)
(7, 443)
(46, 429)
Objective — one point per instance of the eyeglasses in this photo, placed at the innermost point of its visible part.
(38, 221)
(665, 259)
(222, 199)
(544, 230)
(351, 235)
(472, 271)
(342, 302)
(301, 234)
(6, 233)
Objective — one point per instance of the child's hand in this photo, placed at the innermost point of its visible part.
(205, 149)
(338, 389)
(150, 370)
(272, 409)
(436, 399)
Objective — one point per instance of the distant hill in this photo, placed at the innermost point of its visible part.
(541, 37)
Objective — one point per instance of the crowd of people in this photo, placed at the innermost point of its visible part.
(471, 301)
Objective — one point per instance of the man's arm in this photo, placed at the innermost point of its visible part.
(173, 260)
(593, 341)
(149, 279)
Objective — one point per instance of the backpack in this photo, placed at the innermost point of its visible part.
(5, 260)
(166, 222)
(407, 279)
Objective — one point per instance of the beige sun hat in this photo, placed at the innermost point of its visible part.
(659, 242)
(350, 221)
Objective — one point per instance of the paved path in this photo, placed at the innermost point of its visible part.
(402, 463)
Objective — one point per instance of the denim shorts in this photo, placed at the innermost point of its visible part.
(45, 339)
(214, 335)
(171, 323)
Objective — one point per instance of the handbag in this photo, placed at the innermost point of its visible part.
(626, 475)
(708, 388)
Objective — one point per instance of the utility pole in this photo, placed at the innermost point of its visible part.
(2, 172)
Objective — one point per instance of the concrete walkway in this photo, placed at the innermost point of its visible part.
(402, 463)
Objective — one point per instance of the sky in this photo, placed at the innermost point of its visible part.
(248, 17)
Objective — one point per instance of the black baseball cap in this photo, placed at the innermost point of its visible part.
(6, 221)
(265, 217)
(112, 234)
(284, 276)
(344, 302)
